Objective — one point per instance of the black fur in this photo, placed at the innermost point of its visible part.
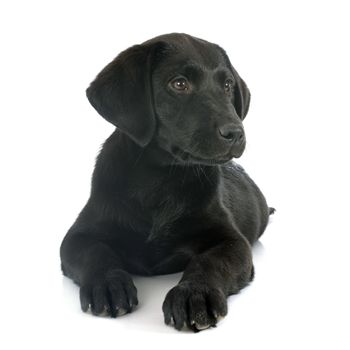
(165, 196)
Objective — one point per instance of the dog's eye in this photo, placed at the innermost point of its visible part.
(180, 84)
(228, 85)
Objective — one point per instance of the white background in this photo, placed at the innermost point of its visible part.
(294, 56)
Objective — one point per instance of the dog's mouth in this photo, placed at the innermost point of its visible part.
(187, 157)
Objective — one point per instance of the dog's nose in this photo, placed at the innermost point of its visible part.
(232, 133)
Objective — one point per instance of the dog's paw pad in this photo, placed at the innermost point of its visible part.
(121, 312)
(201, 327)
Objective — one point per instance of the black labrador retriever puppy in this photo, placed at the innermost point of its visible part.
(165, 196)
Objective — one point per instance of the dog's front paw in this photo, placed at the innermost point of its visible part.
(195, 305)
(113, 294)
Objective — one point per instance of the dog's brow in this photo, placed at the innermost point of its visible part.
(222, 73)
(193, 68)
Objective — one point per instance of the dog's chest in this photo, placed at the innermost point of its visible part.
(168, 211)
(175, 207)
(167, 197)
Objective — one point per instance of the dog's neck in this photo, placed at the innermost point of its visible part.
(150, 162)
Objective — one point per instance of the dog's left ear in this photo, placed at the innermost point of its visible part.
(122, 93)
(241, 98)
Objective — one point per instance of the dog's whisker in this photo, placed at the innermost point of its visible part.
(198, 171)
(206, 176)
(186, 166)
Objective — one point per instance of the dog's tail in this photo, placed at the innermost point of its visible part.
(271, 211)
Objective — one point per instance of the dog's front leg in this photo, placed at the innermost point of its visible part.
(199, 300)
(104, 285)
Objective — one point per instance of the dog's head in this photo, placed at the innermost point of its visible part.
(179, 92)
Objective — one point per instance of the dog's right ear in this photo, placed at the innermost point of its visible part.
(241, 98)
(122, 93)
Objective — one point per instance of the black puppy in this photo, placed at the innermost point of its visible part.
(165, 196)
